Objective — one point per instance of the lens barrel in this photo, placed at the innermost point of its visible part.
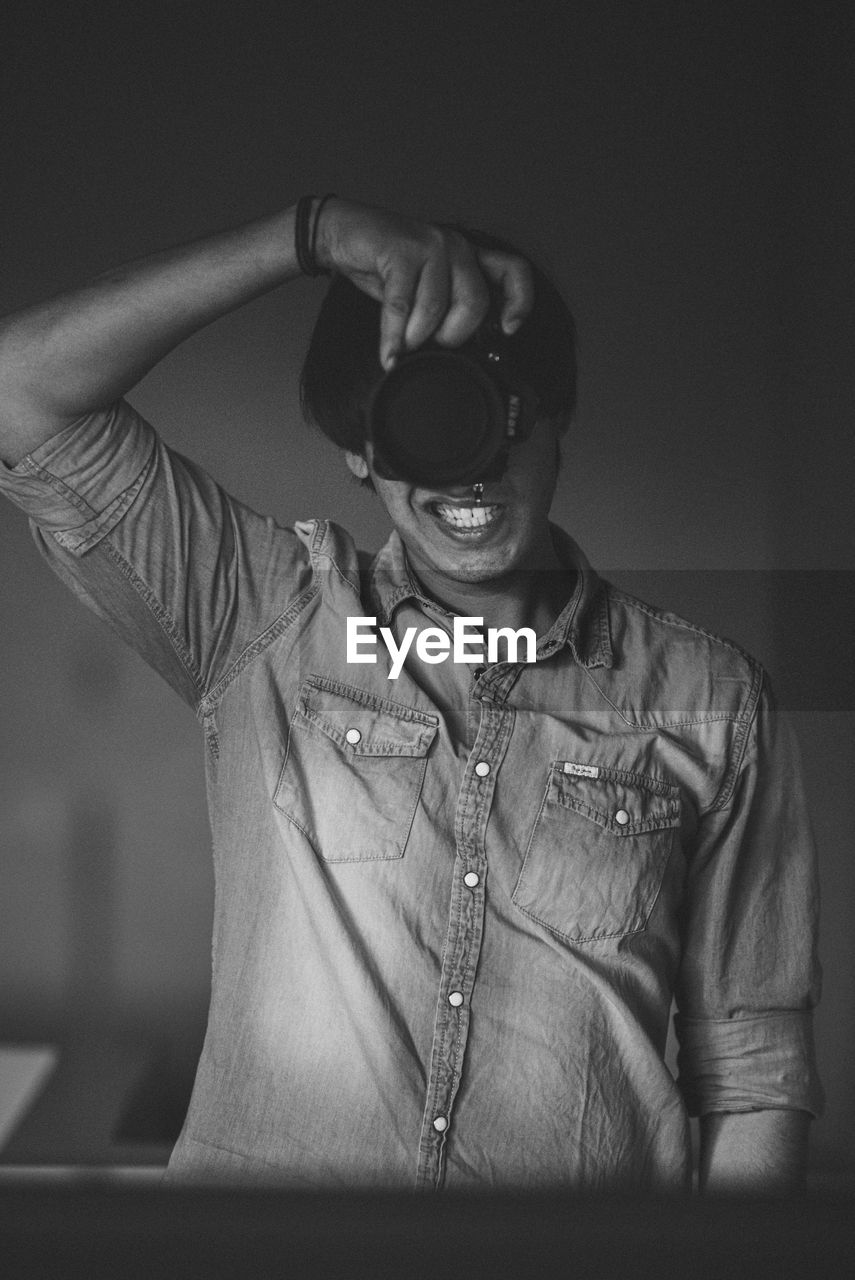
(439, 417)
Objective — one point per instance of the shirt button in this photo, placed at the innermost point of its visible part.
(353, 736)
(440, 1124)
(456, 999)
(622, 817)
(471, 879)
(482, 768)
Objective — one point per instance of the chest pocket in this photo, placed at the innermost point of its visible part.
(598, 851)
(353, 772)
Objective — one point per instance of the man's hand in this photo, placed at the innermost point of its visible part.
(430, 280)
(82, 350)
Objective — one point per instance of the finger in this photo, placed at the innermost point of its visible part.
(431, 301)
(515, 279)
(399, 287)
(470, 304)
(470, 298)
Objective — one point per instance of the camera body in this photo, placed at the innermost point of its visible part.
(448, 415)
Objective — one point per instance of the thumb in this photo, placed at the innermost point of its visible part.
(515, 279)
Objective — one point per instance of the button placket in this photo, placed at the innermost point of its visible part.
(463, 940)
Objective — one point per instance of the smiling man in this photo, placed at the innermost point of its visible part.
(458, 886)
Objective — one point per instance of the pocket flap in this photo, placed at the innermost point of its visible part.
(362, 723)
(622, 802)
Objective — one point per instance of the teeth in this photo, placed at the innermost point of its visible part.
(466, 517)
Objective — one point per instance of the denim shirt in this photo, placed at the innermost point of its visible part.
(452, 909)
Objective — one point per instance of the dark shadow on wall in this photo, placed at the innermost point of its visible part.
(813, 520)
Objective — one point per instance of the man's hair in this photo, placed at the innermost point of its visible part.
(342, 364)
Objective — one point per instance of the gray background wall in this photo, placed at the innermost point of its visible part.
(684, 170)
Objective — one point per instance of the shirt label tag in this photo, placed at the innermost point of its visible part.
(581, 770)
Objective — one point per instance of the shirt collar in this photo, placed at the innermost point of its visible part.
(583, 623)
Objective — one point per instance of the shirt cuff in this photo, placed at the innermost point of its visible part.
(749, 1064)
(80, 483)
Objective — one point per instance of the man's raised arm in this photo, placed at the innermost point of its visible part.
(81, 351)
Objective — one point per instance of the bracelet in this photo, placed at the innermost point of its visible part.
(306, 240)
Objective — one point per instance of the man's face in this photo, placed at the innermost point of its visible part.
(445, 532)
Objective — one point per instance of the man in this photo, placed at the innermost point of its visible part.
(455, 891)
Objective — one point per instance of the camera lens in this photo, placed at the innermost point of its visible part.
(437, 418)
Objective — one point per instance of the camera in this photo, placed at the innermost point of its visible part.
(449, 415)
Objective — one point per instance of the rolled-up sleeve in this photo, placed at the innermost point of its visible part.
(80, 483)
(750, 974)
(187, 575)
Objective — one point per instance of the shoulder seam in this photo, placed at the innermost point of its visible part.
(161, 615)
(322, 533)
(674, 620)
(744, 726)
(212, 696)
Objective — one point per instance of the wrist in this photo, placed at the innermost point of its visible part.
(324, 221)
(311, 243)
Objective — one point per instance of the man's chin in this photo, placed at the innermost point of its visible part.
(467, 569)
